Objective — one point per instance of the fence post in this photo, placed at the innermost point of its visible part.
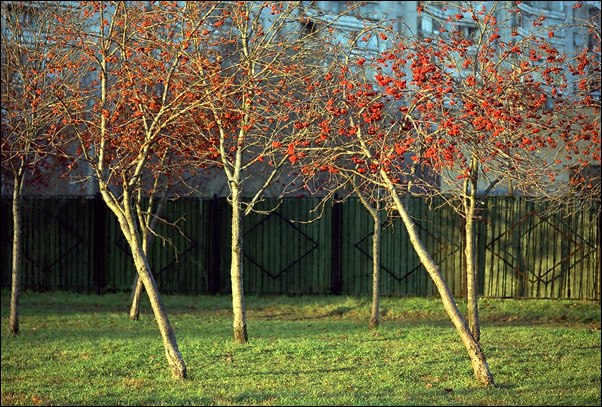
(99, 238)
(336, 281)
(216, 207)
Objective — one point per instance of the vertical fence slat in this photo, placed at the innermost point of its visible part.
(337, 242)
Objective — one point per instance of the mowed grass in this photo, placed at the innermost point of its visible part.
(83, 350)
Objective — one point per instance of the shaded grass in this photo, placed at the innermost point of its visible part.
(79, 349)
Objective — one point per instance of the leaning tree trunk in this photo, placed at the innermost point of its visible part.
(172, 353)
(128, 226)
(13, 321)
(137, 286)
(135, 298)
(236, 269)
(477, 357)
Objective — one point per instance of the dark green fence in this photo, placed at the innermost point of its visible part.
(524, 250)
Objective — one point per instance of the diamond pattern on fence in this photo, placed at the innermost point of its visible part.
(63, 244)
(502, 247)
(289, 258)
(524, 251)
(516, 247)
(441, 245)
(165, 272)
(364, 246)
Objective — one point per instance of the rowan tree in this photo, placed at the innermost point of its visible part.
(449, 103)
(29, 124)
(266, 58)
(507, 110)
(373, 133)
(133, 110)
(323, 155)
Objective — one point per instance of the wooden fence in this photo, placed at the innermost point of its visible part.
(524, 250)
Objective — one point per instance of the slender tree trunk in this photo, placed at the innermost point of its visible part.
(13, 321)
(374, 320)
(475, 353)
(375, 310)
(471, 279)
(135, 298)
(236, 270)
(470, 191)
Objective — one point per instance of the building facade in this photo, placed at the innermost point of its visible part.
(407, 20)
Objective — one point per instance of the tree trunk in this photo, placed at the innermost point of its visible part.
(147, 238)
(135, 298)
(469, 253)
(172, 353)
(477, 357)
(374, 320)
(471, 281)
(129, 227)
(236, 270)
(13, 321)
(374, 314)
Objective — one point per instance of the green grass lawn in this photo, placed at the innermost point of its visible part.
(83, 350)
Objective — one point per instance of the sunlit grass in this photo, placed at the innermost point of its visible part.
(78, 349)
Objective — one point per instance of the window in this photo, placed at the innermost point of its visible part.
(429, 26)
(547, 5)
